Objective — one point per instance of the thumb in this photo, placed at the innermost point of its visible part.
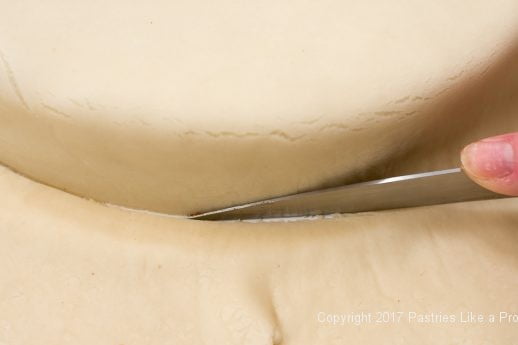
(493, 164)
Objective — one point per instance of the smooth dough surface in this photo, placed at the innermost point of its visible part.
(181, 106)
(76, 272)
(185, 106)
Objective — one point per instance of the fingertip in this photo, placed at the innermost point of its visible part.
(492, 163)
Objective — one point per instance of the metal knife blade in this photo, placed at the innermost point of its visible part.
(429, 188)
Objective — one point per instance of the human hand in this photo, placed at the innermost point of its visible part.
(493, 164)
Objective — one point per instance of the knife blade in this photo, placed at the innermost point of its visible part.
(422, 189)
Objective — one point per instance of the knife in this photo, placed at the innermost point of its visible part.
(429, 188)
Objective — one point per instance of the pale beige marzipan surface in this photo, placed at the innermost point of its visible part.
(183, 106)
(76, 272)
